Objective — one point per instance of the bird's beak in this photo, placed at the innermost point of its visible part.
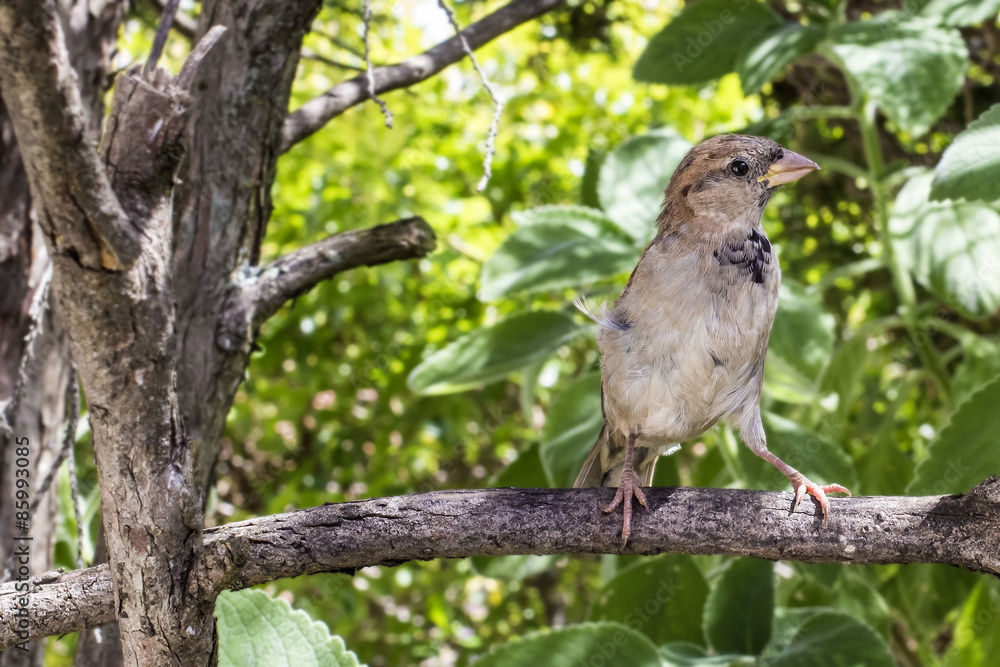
(791, 167)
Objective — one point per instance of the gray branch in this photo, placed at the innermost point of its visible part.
(300, 270)
(960, 530)
(317, 112)
(76, 205)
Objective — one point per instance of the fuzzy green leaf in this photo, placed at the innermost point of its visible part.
(557, 246)
(965, 453)
(970, 167)
(705, 41)
(257, 630)
(633, 178)
(612, 643)
(950, 247)
(910, 67)
(491, 353)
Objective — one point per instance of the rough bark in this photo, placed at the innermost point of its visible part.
(72, 195)
(91, 32)
(115, 296)
(154, 241)
(224, 200)
(100, 646)
(960, 530)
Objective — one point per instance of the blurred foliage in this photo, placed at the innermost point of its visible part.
(888, 330)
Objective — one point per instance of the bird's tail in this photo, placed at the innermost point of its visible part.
(606, 461)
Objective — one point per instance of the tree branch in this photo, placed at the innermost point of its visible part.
(182, 23)
(318, 111)
(160, 39)
(77, 207)
(961, 530)
(299, 271)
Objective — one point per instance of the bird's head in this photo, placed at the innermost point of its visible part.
(727, 180)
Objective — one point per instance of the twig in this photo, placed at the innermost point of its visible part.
(336, 41)
(166, 20)
(958, 530)
(66, 452)
(317, 112)
(308, 54)
(36, 315)
(370, 71)
(491, 137)
(183, 23)
(73, 411)
(198, 55)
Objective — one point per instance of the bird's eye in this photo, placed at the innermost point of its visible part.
(738, 168)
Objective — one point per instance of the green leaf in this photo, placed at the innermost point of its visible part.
(662, 597)
(859, 599)
(582, 644)
(976, 639)
(830, 639)
(634, 176)
(980, 366)
(257, 630)
(571, 429)
(966, 452)
(843, 377)
(769, 56)
(740, 607)
(557, 246)
(970, 167)
(489, 354)
(686, 654)
(704, 41)
(801, 341)
(815, 456)
(884, 469)
(960, 13)
(950, 247)
(908, 66)
(512, 568)
(591, 172)
(524, 472)
(923, 594)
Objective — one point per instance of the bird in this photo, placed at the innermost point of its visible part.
(683, 346)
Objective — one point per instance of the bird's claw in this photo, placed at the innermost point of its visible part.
(627, 488)
(803, 486)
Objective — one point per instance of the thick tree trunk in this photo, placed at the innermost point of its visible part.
(110, 227)
(39, 372)
(155, 244)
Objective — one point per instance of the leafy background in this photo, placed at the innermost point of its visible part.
(470, 369)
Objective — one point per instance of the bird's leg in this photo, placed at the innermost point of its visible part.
(802, 485)
(753, 435)
(628, 486)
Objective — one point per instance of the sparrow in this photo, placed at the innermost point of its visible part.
(683, 347)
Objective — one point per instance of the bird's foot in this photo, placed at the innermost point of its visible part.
(802, 486)
(627, 488)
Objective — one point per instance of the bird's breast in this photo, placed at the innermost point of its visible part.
(695, 335)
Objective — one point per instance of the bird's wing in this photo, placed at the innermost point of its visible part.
(645, 468)
(591, 474)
